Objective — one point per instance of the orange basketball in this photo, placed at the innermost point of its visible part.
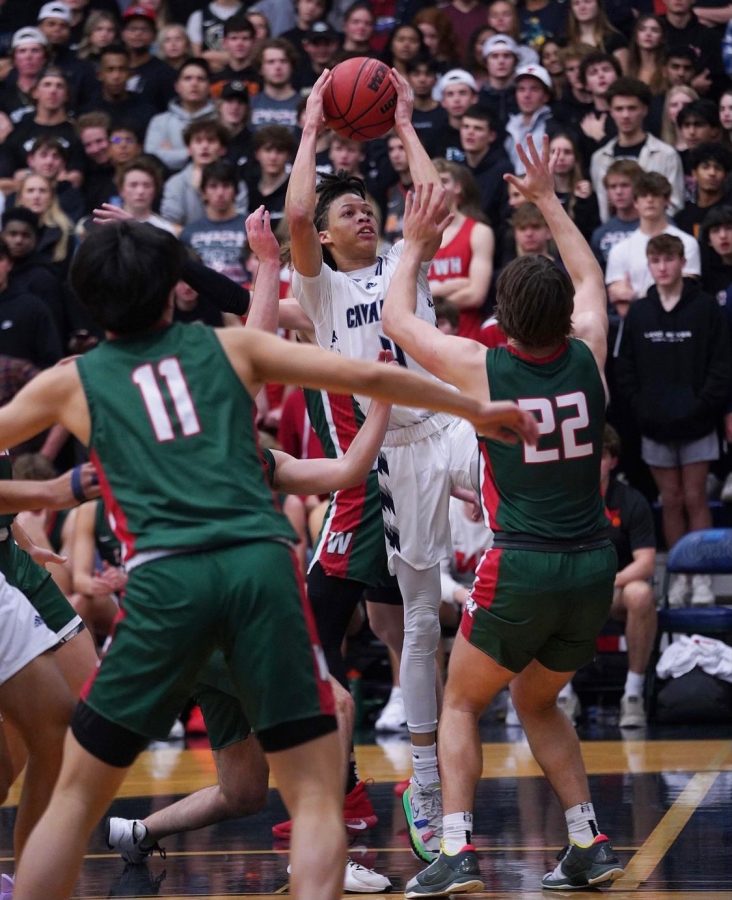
(360, 100)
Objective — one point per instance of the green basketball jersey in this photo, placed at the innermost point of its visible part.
(173, 440)
(551, 490)
(6, 474)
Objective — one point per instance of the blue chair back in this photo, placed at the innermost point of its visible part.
(706, 552)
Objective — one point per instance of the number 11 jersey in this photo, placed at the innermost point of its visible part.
(173, 441)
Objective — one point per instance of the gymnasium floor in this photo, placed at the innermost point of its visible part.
(664, 797)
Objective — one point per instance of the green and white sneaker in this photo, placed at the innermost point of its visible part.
(581, 867)
(448, 875)
(423, 811)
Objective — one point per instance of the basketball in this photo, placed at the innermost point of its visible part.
(360, 100)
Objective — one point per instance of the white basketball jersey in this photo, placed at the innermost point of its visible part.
(345, 309)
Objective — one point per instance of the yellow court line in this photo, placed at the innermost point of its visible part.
(656, 846)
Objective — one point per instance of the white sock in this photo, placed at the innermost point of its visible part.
(567, 690)
(457, 831)
(424, 763)
(634, 684)
(581, 824)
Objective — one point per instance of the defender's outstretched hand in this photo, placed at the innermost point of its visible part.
(505, 421)
(425, 215)
(260, 236)
(538, 182)
(108, 212)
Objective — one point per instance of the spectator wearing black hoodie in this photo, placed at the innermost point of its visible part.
(486, 158)
(675, 371)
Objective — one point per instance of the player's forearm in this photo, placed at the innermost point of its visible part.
(421, 167)
(300, 198)
(580, 262)
(264, 309)
(19, 495)
(401, 297)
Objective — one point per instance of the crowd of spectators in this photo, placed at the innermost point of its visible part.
(186, 113)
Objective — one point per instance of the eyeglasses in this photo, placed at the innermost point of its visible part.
(122, 139)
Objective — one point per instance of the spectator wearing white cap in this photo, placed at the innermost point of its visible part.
(502, 55)
(533, 94)
(455, 91)
(28, 54)
(54, 21)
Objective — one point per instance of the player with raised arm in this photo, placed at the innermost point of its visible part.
(340, 282)
(544, 589)
(164, 409)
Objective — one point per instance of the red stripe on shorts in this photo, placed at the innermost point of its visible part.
(325, 691)
(483, 591)
(342, 531)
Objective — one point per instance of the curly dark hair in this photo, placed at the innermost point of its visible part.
(329, 188)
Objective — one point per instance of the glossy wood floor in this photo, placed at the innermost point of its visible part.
(664, 797)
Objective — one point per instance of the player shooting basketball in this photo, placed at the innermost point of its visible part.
(424, 455)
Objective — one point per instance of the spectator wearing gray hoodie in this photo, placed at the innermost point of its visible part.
(164, 137)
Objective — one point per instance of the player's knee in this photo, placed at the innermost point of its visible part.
(637, 598)
(422, 629)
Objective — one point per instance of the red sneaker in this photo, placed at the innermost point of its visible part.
(358, 814)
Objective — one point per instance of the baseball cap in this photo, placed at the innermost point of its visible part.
(321, 31)
(535, 71)
(235, 90)
(499, 43)
(25, 36)
(139, 11)
(454, 76)
(55, 11)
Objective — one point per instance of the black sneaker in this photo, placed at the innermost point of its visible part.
(581, 867)
(458, 874)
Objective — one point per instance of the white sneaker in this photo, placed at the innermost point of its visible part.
(569, 704)
(360, 880)
(726, 494)
(678, 591)
(701, 590)
(632, 712)
(177, 732)
(126, 836)
(392, 717)
(423, 811)
(512, 718)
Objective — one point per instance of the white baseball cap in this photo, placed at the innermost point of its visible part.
(499, 43)
(454, 76)
(29, 35)
(55, 10)
(535, 71)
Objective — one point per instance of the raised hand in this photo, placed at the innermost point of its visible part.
(538, 182)
(425, 214)
(260, 236)
(314, 105)
(405, 99)
(107, 213)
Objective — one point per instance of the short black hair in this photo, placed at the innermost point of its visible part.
(718, 215)
(711, 151)
(595, 57)
(423, 59)
(21, 214)
(197, 61)
(629, 87)
(123, 275)
(220, 171)
(114, 50)
(679, 52)
(706, 110)
(485, 114)
(329, 188)
(239, 22)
